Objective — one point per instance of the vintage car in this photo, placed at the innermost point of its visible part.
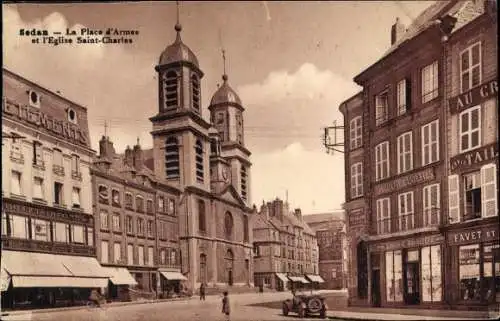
(305, 304)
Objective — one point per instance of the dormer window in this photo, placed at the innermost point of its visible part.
(34, 99)
(171, 90)
(195, 92)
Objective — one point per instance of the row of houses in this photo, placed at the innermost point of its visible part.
(421, 164)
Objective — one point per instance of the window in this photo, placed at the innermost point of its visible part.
(469, 270)
(76, 197)
(104, 220)
(383, 216)
(141, 255)
(199, 160)
(4, 223)
(38, 192)
(117, 251)
(356, 180)
(61, 232)
(15, 186)
(170, 89)
(228, 225)
(201, 216)
(470, 129)
(149, 206)
(172, 158)
(171, 206)
(161, 204)
(431, 274)
(151, 258)
(140, 226)
(394, 276)
(103, 194)
(431, 205)
(381, 108)
(472, 186)
(403, 96)
(19, 227)
(356, 134)
(162, 257)
(40, 230)
(243, 182)
(430, 143)
(37, 154)
(405, 153)
(195, 87)
(16, 152)
(58, 158)
(116, 223)
(139, 204)
(470, 67)
(382, 161)
(129, 202)
(130, 254)
(245, 229)
(173, 257)
(115, 197)
(58, 193)
(75, 164)
(104, 252)
(130, 224)
(406, 217)
(150, 228)
(430, 87)
(78, 234)
(90, 236)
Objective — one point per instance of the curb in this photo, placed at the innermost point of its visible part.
(83, 307)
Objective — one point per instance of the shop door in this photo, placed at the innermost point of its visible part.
(376, 288)
(412, 284)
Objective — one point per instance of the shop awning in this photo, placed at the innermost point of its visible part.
(298, 279)
(172, 275)
(29, 269)
(120, 276)
(5, 278)
(282, 277)
(315, 278)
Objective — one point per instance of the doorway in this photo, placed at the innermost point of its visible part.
(230, 277)
(412, 283)
(375, 287)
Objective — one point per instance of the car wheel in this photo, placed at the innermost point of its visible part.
(314, 305)
(285, 309)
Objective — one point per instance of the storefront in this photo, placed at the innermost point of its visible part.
(170, 282)
(281, 281)
(407, 272)
(119, 283)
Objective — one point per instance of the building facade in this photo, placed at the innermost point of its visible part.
(332, 248)
(420, 130)
(48, 240)
(285, 248)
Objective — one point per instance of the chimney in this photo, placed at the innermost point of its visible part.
(298, 213)
(138, 156)
(129, 157)
(106, 149)
(397, 31)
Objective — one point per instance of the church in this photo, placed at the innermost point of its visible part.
(209, 163)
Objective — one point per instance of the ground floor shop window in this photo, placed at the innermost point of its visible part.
(394, 276)
(431, 274)
(479, 272)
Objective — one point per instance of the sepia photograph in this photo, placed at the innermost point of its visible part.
(250, 160)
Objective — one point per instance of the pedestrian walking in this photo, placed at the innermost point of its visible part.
(202, 291)
(226, 310)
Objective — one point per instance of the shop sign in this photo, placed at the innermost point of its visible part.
(477, 156)
(35, 117)
(356, 218)
(475, 235)
(407, 243)
(473, 97)
(405, 181)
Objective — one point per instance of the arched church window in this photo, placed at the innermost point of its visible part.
(243, 186)
(195, 92)
(199, 160)
(228, 225)
(202, 226)
(172, 158)
(171, 89)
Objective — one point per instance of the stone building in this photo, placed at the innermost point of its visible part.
(332, 248)
(48, 248)
(285, 247)
(405, 222)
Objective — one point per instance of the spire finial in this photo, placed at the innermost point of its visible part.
(105, 128)
(224, 76)
(178, 26)
(137, 140)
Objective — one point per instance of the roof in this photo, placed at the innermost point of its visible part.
(178, 51)
(225, 94)
(322, 217)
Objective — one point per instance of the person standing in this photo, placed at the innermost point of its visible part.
(226, 310)
(202, 291)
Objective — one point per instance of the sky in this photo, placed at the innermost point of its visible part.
(292, 64)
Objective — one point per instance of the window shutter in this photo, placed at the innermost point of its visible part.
(453, 199)
(488, 191)
(408, 93)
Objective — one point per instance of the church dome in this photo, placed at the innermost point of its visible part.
(178, 51)
(225, 94)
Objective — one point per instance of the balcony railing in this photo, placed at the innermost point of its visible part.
(408, 222)
(9, 243)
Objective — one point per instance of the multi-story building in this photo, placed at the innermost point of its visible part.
(48, 248)
(137, 219)
(332, 247)
(285, 247)
(405, 221)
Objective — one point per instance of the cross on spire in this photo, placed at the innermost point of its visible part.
(178, 13)
(224, 76)
(105, 128)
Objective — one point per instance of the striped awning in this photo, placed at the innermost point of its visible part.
(282, 277)
(315, 278)
(300, 279)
